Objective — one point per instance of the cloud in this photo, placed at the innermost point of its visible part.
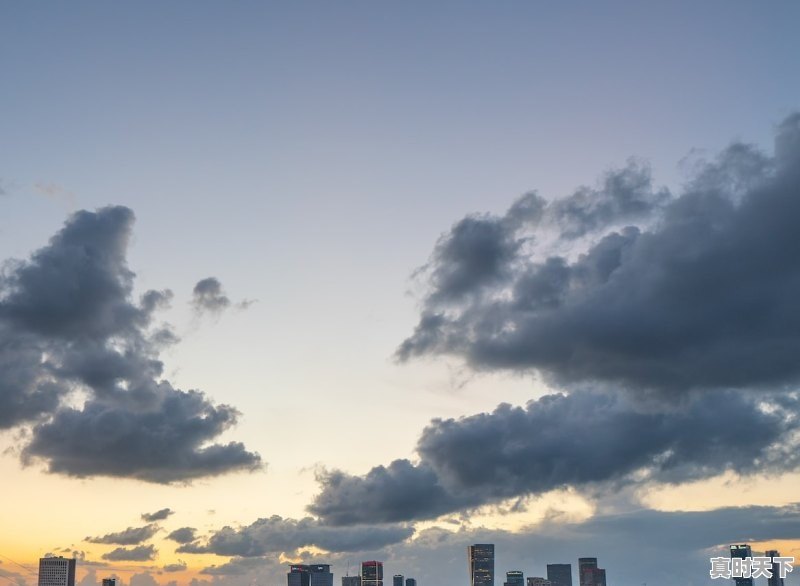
(437, 556)
(179, 567)
(235, 567)
(276, 534)
(159, 515)
(692, 291)
(157, 446)
(687, 538)
(582, 440)
(70, 328)
(143, 579)
(183, 535)
(140, 553)
(129, 536)
(208, 296)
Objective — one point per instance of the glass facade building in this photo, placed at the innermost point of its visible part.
(372, 573)
(481, 564)
(560, 574)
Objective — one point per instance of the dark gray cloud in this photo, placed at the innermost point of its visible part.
(276, 534)
(183, 535)
(164, 445)
(159, 515)
(624, 195)
(129, 536)
(698, 291)
(140, 553)
(68, 324)
(585, 440)
(209, 296)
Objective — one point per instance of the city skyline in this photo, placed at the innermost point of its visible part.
(287, 283)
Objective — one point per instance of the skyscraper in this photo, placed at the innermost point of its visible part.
(741, 551)
(320, 575)
(589, 574)
(413, 582)
(351, 580)
(514, 578)
(56, 571)
(309, 575)
(560, 574)
(397, 580)
(372, 573)
(539, 581)
(298, 575)
(481, 564)
(776, 579)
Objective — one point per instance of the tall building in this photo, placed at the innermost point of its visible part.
(514, 578)
(351, 580)
(539, 581)
(560, 574)
(56, 571)
(320, 575)
(110, 581)
(481, 564)
(413, 582)
(589, 574)
(776, 579)
(298, 575)
(308, 575)
(372, 573)
(397, 580)
(741, 551)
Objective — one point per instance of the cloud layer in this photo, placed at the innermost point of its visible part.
(660, 293)
(581, 440)
(671, 321)
(276, 534)
(69, 327)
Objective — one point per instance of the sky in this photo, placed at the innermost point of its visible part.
(339, 281)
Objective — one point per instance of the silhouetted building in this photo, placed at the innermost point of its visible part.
(560, 574)
(776, 579)
(56, 571)
(481, 564)
(514, 578)
(351, 580)
(741, 551)
(589, 574)
(372, 573)
(411, 582)
(397, 580)
(110, 581)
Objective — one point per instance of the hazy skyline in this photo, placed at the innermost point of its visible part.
(379, 281)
